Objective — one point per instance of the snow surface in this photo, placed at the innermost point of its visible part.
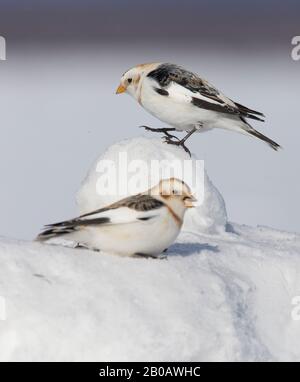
(224, 293)
(224, 297)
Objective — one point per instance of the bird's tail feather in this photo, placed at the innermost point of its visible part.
(55, 230)
(275, 146)
(249, 130)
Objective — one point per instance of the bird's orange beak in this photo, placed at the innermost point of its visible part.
(189, 201)
(121, 89)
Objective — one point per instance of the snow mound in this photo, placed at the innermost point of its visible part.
(226, 297)
(135, 158)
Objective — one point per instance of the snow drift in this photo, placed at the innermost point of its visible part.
(225, 293)
(209, 216)
(216, 298)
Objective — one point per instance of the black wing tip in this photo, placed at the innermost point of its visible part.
(250, 116)
(256, 113)
(249, 113)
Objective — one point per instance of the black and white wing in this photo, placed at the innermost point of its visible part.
(129, 210)
(174, 81)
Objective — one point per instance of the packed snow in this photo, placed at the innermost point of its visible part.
(225, 292)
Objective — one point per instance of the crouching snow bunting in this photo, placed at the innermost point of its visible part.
(187, 102)
(144, 224)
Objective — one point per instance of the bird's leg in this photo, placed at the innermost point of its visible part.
(164, 130)
(182, 141)
(188, 135)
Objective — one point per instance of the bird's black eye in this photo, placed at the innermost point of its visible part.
(129, 80)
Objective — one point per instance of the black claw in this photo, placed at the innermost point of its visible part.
(147, 128)
(169, 138)
(164, 130)
(170, 135)
(169, 141)
(186, 149)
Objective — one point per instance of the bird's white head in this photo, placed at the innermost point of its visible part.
(175, 192)
(131, 81)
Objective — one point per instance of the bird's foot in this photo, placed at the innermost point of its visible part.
(169, 141)
(80, 246)
(164, 130)
(83, 246)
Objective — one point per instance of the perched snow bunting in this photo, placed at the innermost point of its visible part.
(144, 224)
(186, 102)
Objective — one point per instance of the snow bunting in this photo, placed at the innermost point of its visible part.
(187, 102)
(144, 224)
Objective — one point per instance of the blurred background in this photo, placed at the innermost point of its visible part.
(59, 111)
